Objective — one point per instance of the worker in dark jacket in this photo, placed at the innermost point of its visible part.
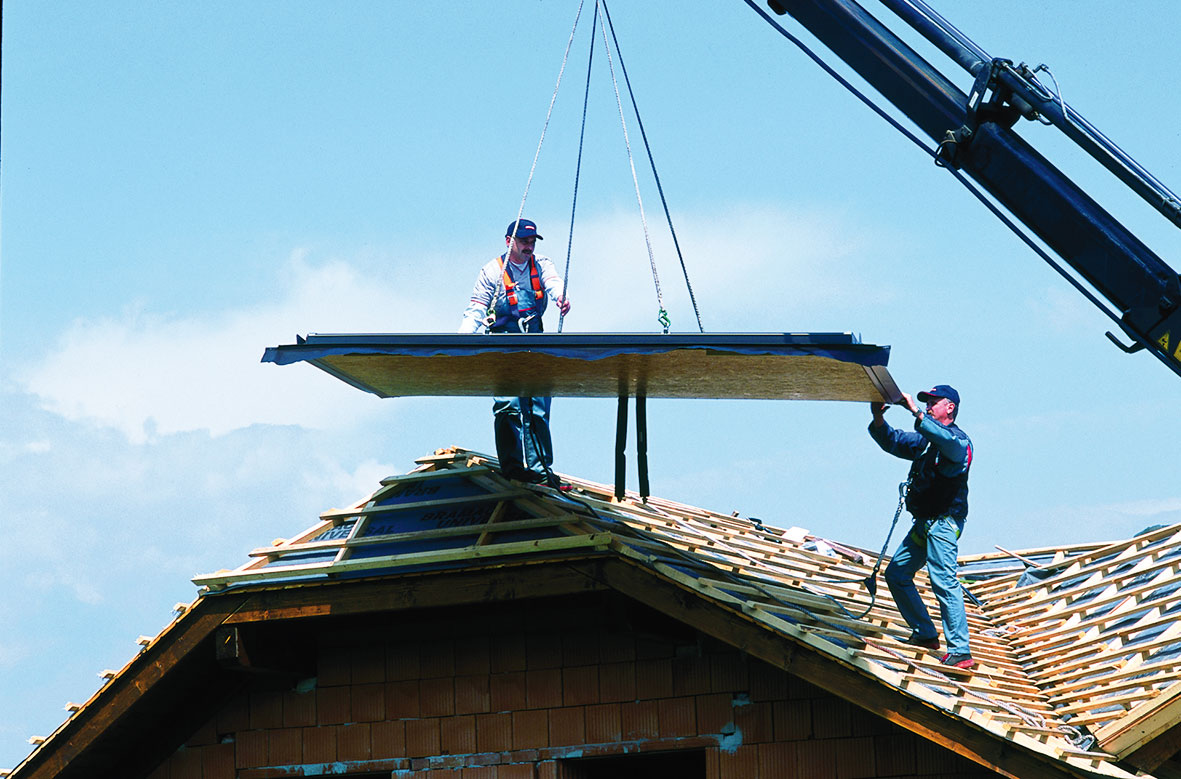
(937, 498)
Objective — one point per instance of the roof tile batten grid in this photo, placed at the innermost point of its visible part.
(1085, 648)
(752, 567)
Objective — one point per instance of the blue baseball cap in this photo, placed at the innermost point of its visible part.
(524, 229)
(940, 391)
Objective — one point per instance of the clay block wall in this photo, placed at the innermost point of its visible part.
(509, 693)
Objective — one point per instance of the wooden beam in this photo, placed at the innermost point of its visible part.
(434, 589)
(273, 655)
(1150, 755)
(278, 552)
(387, 562)
(471, 470)
(497, 514)
(420, 504)
(1149, 727)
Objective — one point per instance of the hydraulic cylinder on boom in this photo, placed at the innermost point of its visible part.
(973, 133)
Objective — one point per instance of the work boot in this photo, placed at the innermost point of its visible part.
(931, 643)
(959, 661)
(553, 481)
(518, 473)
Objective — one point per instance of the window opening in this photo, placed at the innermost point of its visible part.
(683, 764)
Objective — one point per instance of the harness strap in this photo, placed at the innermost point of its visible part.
(510, 287)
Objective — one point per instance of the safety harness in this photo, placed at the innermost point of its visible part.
(510, 287)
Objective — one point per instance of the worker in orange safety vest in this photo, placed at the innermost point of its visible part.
(511, 294)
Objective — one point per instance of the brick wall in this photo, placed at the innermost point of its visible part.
(507, 693)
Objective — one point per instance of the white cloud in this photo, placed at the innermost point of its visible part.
(753, 267)
(100, 515)
(148, 374)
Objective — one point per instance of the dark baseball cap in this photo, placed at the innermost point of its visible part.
(940, 391)
(524, 229)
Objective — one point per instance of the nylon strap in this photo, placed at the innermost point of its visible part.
(510, 288)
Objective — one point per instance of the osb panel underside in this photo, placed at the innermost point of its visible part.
(684, 373)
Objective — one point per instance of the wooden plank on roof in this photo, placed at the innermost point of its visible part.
(494, 525)
(774, 366)
(594, 541)
(430, 589)
(471, 470)
(1144, 722)
(334, 514)
(1113, 656)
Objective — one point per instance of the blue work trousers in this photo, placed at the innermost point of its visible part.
(935, 544)
(521, 426)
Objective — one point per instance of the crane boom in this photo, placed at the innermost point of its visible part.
(974, 133)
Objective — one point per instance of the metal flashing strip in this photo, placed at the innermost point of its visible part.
(781, 366)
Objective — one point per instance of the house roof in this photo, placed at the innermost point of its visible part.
(1077, 647)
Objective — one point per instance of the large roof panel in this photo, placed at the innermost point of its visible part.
(775, 366)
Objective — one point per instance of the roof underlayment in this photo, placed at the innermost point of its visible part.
(1079, 649)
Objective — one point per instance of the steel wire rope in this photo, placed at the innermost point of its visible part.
(1031, 718)
(490, 314)
(662, 317)
(652, 162)
(578, 165)
(1025, 238)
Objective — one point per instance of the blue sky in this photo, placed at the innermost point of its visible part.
(185, 184)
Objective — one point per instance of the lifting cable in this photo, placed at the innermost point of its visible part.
(578, 165)
(652, 163)
(491, 313)
(662, 316)
(971, 187)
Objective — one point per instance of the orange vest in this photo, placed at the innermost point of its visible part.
(510, 289)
